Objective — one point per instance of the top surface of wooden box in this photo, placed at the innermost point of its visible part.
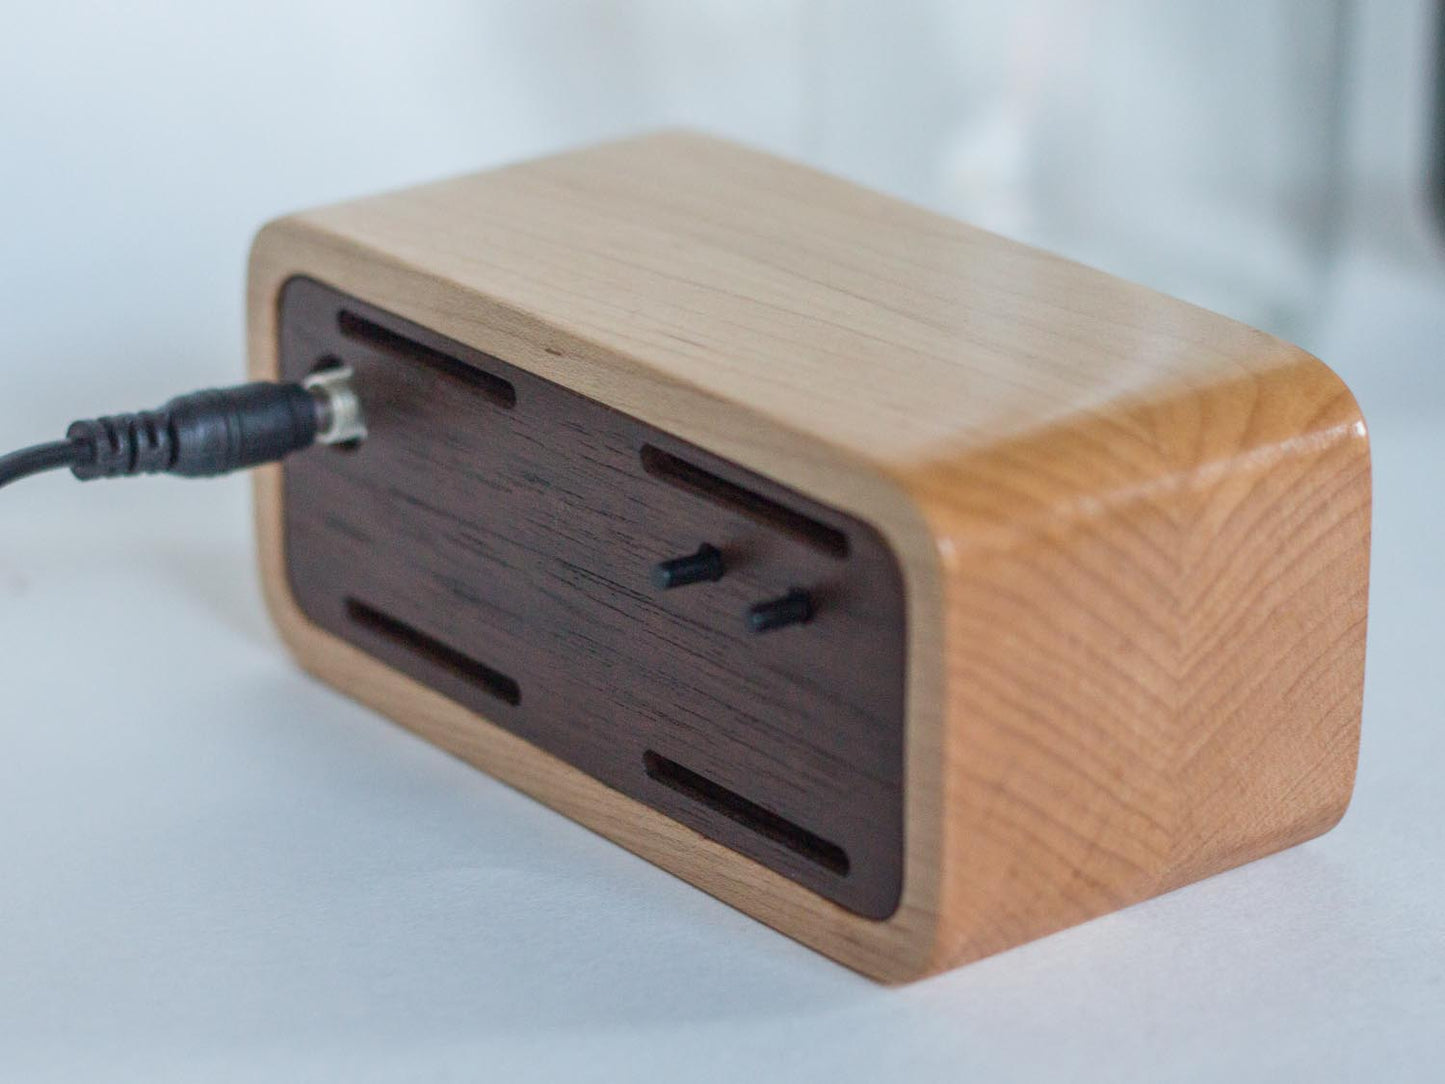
(843, 315)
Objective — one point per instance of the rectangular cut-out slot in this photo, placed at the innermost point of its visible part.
(434, 651)
(689, 476)
(488, 554)
(749, 814)
(384, 339)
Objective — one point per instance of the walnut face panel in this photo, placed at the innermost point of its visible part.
(495, 538)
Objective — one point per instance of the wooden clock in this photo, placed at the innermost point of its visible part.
(913, 590)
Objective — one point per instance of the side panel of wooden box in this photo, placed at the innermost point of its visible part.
(1155, 636)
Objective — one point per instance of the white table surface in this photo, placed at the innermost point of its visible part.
(216, 869)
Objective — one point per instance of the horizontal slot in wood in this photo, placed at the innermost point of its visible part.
(747, 813)
(434, 651)
(362, 330)
(689, 476)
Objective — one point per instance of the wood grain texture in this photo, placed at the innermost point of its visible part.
(1134, 535)
(519, 529)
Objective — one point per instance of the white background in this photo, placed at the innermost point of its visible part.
(213, 868)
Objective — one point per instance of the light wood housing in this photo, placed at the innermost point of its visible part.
(1134, 534)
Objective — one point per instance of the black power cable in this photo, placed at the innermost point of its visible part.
(42, 457)
(203, 434)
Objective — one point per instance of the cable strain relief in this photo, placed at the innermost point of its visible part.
(123, 444)
(200, 435)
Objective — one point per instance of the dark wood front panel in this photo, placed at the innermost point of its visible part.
(495, 536)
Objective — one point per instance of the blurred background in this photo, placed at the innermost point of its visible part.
(201, 884)
(1254, 156)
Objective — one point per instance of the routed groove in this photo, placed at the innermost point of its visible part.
(747, 813)
(689, 476)
(449, 658)
(362, 330)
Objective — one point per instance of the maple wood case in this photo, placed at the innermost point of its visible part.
(1133, 534)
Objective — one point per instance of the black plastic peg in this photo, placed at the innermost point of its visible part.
(704, 566)
(794, 608)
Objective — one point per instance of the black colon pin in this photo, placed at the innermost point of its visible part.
(794, 608)
(704, 566)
